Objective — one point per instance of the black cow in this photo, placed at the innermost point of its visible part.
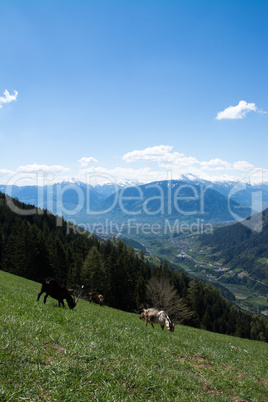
(59, 292)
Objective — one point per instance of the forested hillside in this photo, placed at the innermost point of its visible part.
(33, 246)
(243, 245)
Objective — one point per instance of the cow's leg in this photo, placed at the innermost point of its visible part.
(152, 324)
(62, 302)
(45, 298)
(39, 294)
(162, 326)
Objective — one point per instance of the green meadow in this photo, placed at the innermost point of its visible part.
(98, 353)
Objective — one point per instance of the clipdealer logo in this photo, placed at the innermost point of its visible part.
(134, 227)
(172, 201)
(255, 220)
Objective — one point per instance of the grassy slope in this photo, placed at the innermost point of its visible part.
(98, 353)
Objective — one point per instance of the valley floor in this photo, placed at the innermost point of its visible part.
(186, 252)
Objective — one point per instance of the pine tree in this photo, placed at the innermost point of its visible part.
(141, 285)
(1, 246)
(92, 273)
(59, 263)
(206, 322)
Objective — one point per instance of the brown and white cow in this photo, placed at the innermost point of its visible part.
(59, 292)
(153, 316)
(96, 297)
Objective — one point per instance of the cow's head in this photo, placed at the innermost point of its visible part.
(171, 327)
(71, 301)
(142, 316)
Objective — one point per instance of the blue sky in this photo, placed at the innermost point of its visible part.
(143, 89)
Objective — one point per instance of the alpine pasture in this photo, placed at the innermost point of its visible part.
(98, 353)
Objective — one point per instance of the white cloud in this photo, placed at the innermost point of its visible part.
(34, 174)
(148, 154)
(179, 164)
(261, 111)
(86, 161)
(6, 172)
(35, 168)
(162, 155)
(215, 164)
(176, 159)
(237, 112)
(8, 98)
(243, 166)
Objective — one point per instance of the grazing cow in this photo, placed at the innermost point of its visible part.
(59, 292)
(96, 297)
(153, 316)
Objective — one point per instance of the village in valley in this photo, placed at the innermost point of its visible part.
(185, 251)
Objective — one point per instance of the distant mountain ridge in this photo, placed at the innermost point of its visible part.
(188, 199)
(173, 200)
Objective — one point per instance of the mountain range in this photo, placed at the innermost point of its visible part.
(188, 199)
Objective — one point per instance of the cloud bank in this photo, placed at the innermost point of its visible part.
(179, 164)
(162, 163)
(155, 153)
(35, 168)
(168, 159)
